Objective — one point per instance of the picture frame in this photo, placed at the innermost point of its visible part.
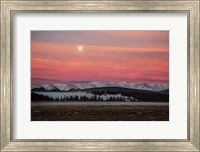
(9, 8)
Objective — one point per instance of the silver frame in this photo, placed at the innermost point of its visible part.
(10, 7)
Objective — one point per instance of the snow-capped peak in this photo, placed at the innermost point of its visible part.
(64, 87)
(48, 87)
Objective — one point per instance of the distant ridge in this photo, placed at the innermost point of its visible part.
(63, 87)
(165, 91)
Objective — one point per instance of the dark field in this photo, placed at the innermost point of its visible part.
(50, 112)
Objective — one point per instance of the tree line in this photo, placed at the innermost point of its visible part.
(136, 96)
(38, 97)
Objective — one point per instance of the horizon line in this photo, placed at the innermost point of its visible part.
(87, 81)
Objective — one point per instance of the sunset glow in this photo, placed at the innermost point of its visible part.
(109, 56)
(80, 48)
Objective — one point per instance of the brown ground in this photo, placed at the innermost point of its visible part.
(99, 113)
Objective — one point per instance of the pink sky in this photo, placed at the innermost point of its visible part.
(111, 56)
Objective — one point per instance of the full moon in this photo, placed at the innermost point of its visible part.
(80, 48)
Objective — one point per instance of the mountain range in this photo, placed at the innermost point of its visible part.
(89, 85)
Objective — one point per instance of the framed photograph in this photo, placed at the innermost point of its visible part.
(100, 75)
